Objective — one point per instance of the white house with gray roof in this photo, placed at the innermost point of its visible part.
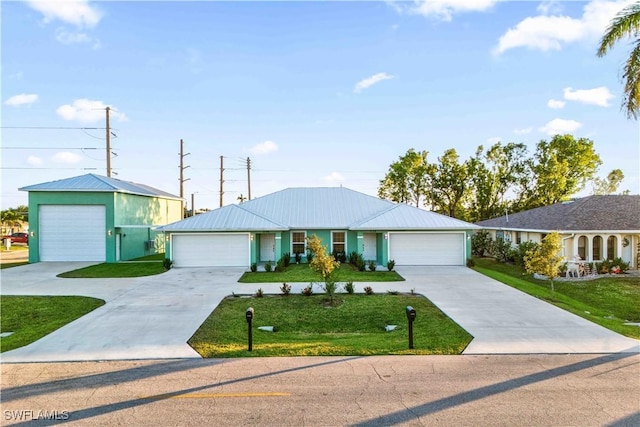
(266, 228)
(592, 228)
(97, 218)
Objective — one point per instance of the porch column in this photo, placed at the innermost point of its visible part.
(360, 242)
(278, 245)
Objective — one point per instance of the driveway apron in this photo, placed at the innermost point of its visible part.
(504, 320)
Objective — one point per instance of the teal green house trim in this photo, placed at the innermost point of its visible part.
(132, 215)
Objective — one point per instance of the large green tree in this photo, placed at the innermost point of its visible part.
(608, 185)
(559, 169)
(449, 184)
(495, 176)
(407, 179)
(626, 25)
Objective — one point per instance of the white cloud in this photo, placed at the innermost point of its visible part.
(67, 37)
(370, 81)
(441, 9)
(550, 32)
(555, 104)
(87, 111)
(22, 99)
(549, 8)
(523, 131)
(264, 148)
(560, 126)
(599, 96)
(34, 161)
(334, 178)
(80, 13)
(67, 157)
(494, 140)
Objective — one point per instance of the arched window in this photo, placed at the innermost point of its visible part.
(597, 248)
(582, 247)
(612, 247)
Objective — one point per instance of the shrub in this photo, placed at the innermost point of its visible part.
(298, 257)
(356, 260)
(368, 290)
(167, 264)
(348, 287)
(616, 265)
(309, 256)
(308, 290)
(481, 243)
(268, 267)
(521, 250)
(259, 293)
(394, 292)
(502, 250)
(372, 265)
(390, 264)
(286, 257)
(254, 267)
(285, 289)
(353, 257)
(281, 265)
(471, 263)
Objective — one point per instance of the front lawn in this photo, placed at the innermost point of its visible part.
(609, 301)
(114, 270)
(32, 317)
(302, 273)
(13, 264)
(306, 327)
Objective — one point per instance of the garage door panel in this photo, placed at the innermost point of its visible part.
(72, 232)
(427, 248)
(211, 250)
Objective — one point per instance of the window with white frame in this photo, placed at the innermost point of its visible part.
(298, 242)
(338, 242)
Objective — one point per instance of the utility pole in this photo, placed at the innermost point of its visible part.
(182, 168)
(249, 176)
(108, 127)
(221, 178)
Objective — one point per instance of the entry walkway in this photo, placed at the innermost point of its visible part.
(153, 317)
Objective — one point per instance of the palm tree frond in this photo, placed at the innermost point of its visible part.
(625, 24)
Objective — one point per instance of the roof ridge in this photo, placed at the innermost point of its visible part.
(260, 216)
(375, 215)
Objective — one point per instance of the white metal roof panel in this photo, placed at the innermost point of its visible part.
(227, 218)
(98, 183)
(405, 217)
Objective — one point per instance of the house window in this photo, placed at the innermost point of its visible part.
(582, 247)
(612, 246)
(597, 248)
(500, 235)
(298, 242)
(338, 239)
(518, 237)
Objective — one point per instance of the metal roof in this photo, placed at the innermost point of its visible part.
(334, 208)
(227, 218)
(610, 212)
(98, 183)
(405, 217)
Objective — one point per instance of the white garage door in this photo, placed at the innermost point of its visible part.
(210, 250)
(427, 248)
(72, 233)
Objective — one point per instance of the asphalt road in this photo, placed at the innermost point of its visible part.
(519, 390)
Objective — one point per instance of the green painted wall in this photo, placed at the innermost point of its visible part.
(131, 216)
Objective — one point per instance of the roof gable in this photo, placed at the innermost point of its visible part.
(227, 218)
(98, 183)
(610, 212)
(405, 217)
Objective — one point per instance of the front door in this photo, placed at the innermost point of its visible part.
(369, 250)
(267, 247)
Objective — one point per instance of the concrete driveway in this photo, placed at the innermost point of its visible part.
(153, 317)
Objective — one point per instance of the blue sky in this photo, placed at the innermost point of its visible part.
(316, 93)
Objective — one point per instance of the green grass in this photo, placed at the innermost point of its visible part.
(609, 301)
(113, 270)
(13, 264)
(302, 273)
(305, 327)
(153, 257)
(32, 317)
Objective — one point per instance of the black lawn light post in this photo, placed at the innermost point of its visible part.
(411, 316)
(249, 316)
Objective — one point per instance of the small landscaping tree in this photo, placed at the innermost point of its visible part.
(544, 259)
(324, 264)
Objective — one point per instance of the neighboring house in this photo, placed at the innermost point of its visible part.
(265, 228)
(593, 228)
(96, 218)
